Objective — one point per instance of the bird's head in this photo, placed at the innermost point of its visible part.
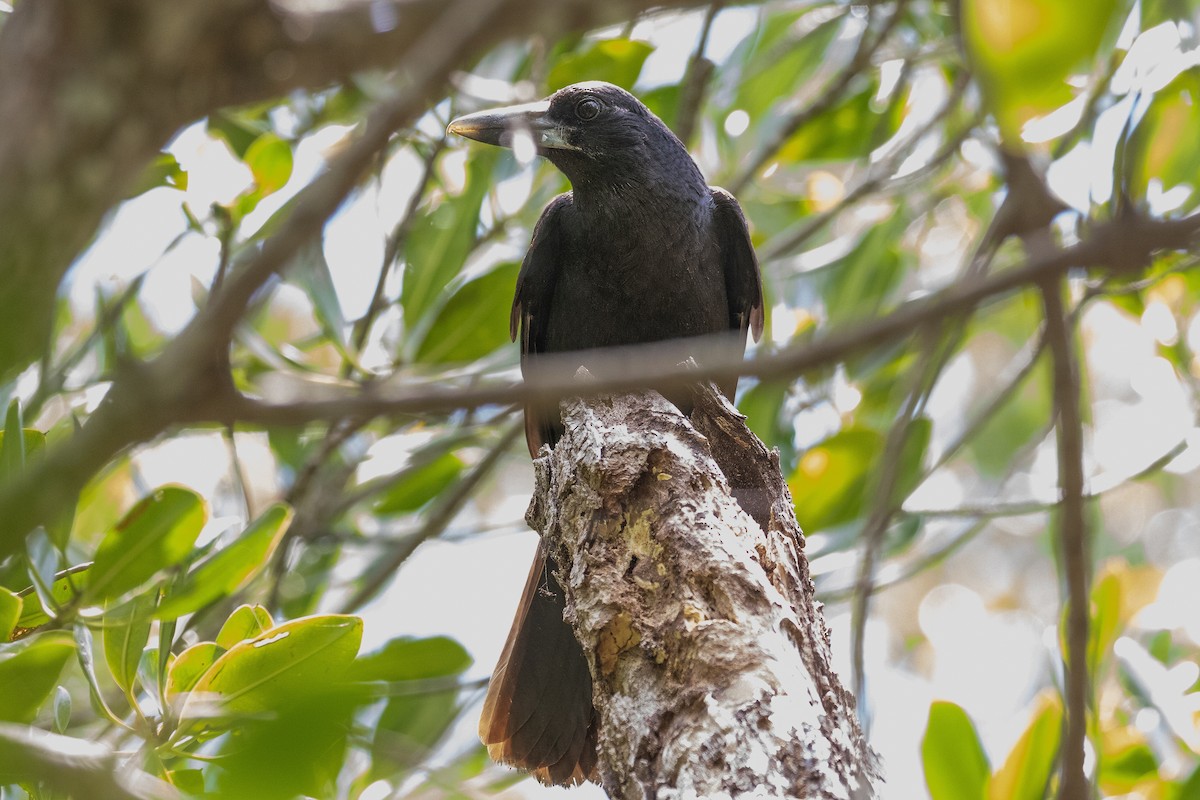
(594, 132)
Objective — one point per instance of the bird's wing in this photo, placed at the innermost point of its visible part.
(743, 284)
(530, 309)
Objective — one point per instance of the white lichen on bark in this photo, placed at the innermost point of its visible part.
(688, 588)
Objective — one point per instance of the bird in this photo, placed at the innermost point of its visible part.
(640, 250)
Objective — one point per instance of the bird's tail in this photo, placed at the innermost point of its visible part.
(538, 712)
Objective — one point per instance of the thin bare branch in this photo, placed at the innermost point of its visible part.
(1074, 547)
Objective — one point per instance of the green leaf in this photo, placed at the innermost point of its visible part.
(1106, 618)
(1024, 51)
(1164, 146)
(763, 406)
(64, 592)
(474, 321)
(955, 765)
(87, 664)
(297, 750)
(190, 666)
(406, 659)
(280, 664)
(270, 161)
(848, 130)
(859, 284)
(13, 459)
(62, 709)
(230, 567)
(412, 723)
(829, 486)
(912, 457)
(245, 622)
(29, 671)
(157, 533)
(239, 129)
(310, 271)
(165, 170)
(617, 61)
(782, 58)
(1026, 772)
(190, 781)
(419, 484)
(10, 612)
(439, 243)
(126, 631)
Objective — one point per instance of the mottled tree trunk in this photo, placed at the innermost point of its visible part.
(688, 587)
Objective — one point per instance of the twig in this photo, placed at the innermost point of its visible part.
(829, 95)
(448, 506)
(1075, 549)
(392, 249)
(695, 79)
(885, 507)
(1111, 244)
(879, 178)
(180, 388)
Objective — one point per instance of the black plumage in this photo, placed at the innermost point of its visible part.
(641, 250)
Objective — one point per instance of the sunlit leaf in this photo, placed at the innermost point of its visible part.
(190, 666)
(829, 485)
(229, 567)
(270, 161)
(405, 659)
(786, 50)
(474, 321)
(955, 765)
(282, 664)
(65, 592)
(245, 622)
(10, 612)
(1025, 50)
(1164, 145)
(849, 129)
(1127, 760)
(1026, 772)
(29, 671)
(439, 242)
(157, 533)
(164, 170)
(617, 61)
(419, 484)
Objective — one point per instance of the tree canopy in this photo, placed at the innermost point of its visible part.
(254, 352)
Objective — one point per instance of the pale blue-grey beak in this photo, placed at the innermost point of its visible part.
(499, 126)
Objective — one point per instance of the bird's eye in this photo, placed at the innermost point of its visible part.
(587, 108)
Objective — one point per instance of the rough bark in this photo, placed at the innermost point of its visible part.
(689, 590)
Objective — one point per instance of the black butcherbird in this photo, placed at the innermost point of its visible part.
(642, 250)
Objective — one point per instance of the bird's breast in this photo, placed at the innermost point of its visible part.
(647, 283)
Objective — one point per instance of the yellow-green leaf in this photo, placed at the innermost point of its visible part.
(281, 664)
(244, 623)
(29, 671)
(230, 567)
(1027, 770)
(955, 765)
(190, 666)
(157, 533)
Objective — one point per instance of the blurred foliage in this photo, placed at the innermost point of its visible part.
(206, 635)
